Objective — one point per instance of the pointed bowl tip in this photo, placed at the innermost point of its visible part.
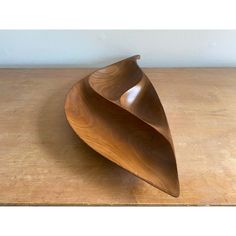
(133, 58)
(175, 192)
(136, 57)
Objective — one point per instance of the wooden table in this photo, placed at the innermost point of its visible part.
(42, 161)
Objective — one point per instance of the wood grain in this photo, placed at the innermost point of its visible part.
(118, 113)
(43, 162)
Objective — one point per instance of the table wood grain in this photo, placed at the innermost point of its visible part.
(43, 162)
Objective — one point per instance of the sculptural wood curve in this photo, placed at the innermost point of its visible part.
(118, 113)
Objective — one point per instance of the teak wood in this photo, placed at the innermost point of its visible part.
(117, 112)
(42, 161)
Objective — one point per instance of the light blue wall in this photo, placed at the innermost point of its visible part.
(98, 48)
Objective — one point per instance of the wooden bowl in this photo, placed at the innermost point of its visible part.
(118, 113)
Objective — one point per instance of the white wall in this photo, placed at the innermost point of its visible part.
(157, 48)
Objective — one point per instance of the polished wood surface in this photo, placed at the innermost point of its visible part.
(42, 161)
(118, 113)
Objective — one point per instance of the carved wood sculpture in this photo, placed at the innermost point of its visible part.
(117, 112)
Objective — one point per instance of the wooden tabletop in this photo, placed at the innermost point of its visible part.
(43, 162)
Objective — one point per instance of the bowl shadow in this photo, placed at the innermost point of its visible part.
(91, 172)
